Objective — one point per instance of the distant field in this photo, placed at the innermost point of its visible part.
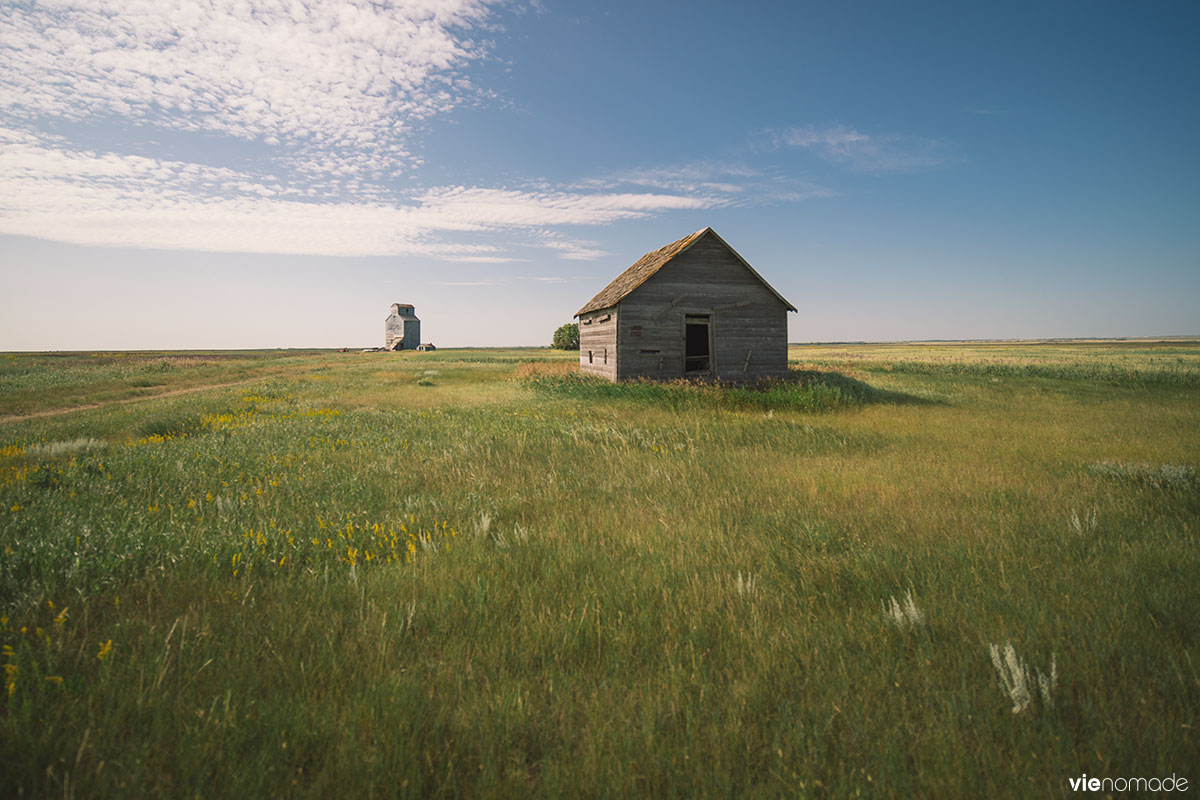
(940, 570)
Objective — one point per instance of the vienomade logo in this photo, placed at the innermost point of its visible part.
(1085, 784)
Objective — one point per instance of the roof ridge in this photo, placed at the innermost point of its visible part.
(645, 267)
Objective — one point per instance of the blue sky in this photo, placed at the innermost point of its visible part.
(248, 173)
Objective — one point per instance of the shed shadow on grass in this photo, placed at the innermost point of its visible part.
(798, 390)
(855, 388)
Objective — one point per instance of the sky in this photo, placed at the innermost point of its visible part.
(275, 173)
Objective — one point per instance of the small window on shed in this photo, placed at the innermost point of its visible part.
(606, 318)
(606, 355)
(589, 356)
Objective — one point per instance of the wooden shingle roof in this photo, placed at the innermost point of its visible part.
(652, 262)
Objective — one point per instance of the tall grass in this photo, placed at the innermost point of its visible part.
(1081, 371)
(799, 391)
(336, 581)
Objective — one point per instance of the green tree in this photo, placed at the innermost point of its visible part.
(566, 337)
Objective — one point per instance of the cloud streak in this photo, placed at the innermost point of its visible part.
(736, 183)
(326, 96)
(344, 79)
(50, 191)
(869, 153)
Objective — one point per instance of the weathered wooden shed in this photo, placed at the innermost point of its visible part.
(402, 329)
(692, 309)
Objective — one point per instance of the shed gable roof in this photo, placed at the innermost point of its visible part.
(652, 262)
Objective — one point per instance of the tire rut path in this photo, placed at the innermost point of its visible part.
(54, 412)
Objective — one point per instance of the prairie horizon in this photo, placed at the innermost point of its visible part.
(359, 348)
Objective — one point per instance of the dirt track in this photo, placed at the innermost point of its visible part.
(54, 412)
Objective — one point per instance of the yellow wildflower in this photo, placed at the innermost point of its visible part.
(105, 649)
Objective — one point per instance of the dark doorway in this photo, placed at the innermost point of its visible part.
(697, 352)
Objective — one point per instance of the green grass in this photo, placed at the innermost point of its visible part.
(800, 391)
(472, 573)
(32, 382)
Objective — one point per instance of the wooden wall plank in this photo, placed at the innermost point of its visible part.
(598, 343)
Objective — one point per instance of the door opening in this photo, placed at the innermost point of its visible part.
(697, 352)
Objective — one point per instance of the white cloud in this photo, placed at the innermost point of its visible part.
(574, 249)
(872, 153)
(476, 209)
(342, 80)
(698, 177)
(732, 184)
(50, 191)
(485, 259)
(329, 91)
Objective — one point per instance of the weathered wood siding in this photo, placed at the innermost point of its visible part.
(748, 321)
(402, 329)
(598, 343)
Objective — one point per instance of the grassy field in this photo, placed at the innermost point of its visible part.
(907, 570)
